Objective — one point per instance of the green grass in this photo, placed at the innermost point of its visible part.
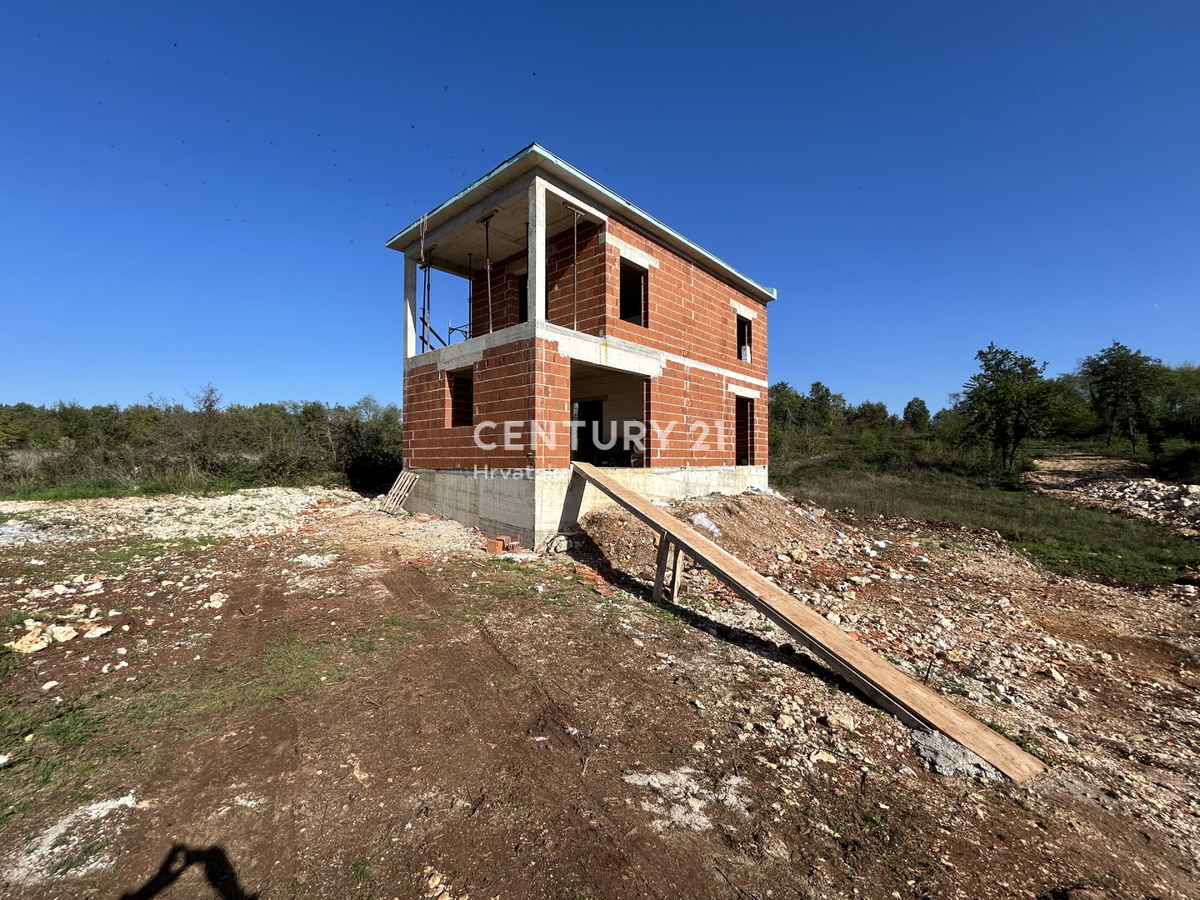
(1077, 541)
(360, 870)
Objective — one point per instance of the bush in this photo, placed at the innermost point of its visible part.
(71, 451)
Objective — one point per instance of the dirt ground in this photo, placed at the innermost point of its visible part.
(299, 696)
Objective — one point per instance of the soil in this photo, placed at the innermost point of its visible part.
(321, 700)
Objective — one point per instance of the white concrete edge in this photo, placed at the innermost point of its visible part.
(633, 254)
(743, 310)
(554, 186)
(739, 391)
(607, 352)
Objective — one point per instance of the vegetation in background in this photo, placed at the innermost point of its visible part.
(961, 464)
(1007, 401)
(69, 451)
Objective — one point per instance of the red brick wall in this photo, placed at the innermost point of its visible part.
(689, 315)
(504, 391)
(562, 267)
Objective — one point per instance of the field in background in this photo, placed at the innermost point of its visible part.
(1068, 540)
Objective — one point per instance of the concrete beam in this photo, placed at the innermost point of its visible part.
(410, 307)
(537, 250)
(472, 214)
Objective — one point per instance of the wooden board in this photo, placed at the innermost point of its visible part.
(399, 493)
(914, 704)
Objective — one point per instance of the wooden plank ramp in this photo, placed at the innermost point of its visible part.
(914, 704)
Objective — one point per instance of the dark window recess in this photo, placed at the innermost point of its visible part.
(743, 339)
(523, 298)
(462, 398)
(744, 431)
(633, 294)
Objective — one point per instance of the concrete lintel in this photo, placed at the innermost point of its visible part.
(608, 352)
(444, 265)
(470, 215)
(728, 374)
(629, 252)
(564, 193)
(743, 310)
(738, 391)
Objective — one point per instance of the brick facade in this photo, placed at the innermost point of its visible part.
(691, 319)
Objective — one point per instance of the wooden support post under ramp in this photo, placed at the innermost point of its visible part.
(914, 704)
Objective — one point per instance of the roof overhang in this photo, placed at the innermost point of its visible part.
(535, 160)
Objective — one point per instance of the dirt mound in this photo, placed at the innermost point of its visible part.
(1114, 485)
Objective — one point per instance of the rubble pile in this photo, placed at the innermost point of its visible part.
(963, 612)
(253, 512)
(1173, 505)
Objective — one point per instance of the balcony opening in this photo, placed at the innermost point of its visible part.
(443, 309)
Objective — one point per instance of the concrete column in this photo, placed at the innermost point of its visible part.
(410, 307)
(537, 250)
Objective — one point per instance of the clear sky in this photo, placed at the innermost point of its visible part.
(201, 192)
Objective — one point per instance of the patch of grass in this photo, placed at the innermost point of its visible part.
(84, 856)
(360, 870)
(11, 618)
(151, 705)
(102, 487)
(1077, 541)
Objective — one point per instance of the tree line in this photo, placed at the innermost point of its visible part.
(164, 445)
(1119, 399)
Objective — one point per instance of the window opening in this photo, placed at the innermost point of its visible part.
(462, 398)
(743, 339)
(633, 291)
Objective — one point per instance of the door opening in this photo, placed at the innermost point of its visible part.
(591, 414)
(744, 427)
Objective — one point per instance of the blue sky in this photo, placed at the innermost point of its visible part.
(194, 193)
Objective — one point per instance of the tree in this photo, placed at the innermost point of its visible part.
(1124, 387)
(1007, 401)
(871, 416)
(916, 415)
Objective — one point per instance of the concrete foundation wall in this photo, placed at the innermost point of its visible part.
(539, 503)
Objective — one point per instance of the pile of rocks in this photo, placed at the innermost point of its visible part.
(1174, 505)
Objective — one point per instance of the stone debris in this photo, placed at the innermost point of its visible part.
(52, 853)
(37, 638)
(681, 799)
(948, 757)
(1173, 505)
(954, 608)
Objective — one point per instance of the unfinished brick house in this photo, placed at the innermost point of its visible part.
(595, 333)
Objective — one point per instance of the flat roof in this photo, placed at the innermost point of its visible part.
(535, 156)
